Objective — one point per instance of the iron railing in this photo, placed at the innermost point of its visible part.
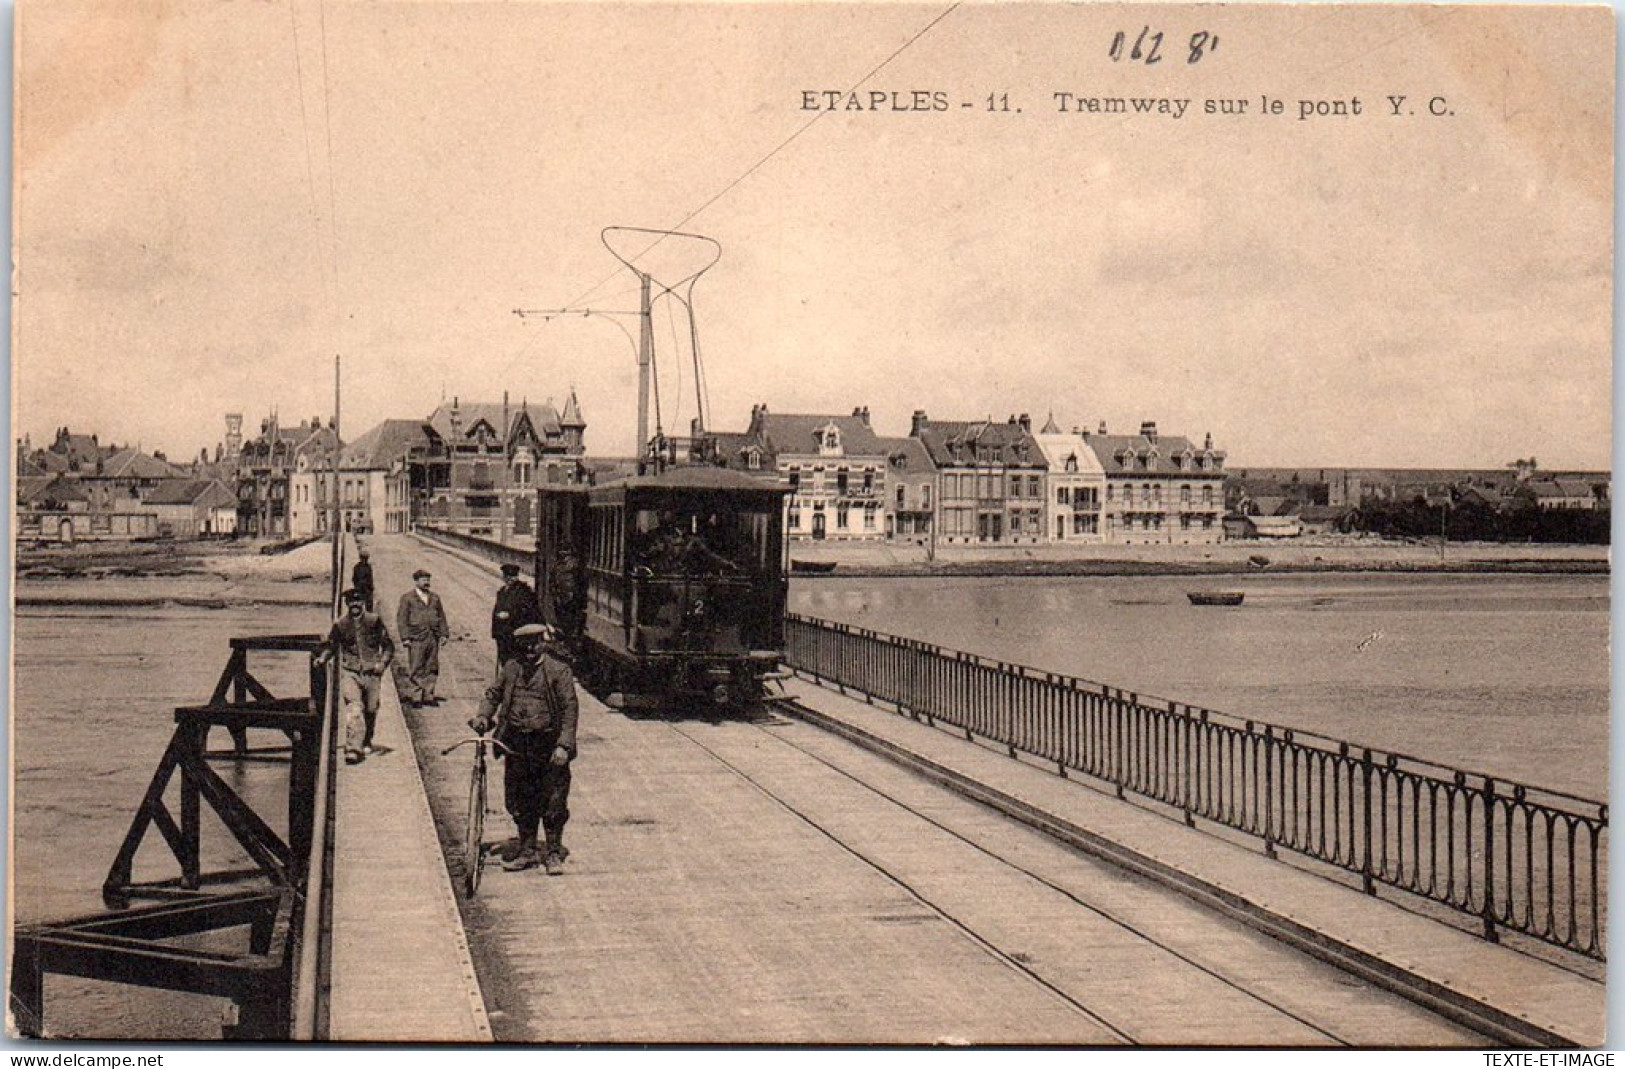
(486, 548)
(1514, 856)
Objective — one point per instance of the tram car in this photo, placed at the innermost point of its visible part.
(669, 589)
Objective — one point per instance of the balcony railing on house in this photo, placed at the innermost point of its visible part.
(1515, 857)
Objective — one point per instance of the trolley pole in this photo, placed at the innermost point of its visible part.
(646, 345)
(337, 537)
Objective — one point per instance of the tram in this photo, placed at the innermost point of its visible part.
(669, 587)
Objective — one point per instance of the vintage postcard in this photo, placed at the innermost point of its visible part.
(882, 524)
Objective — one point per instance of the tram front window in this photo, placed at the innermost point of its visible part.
(672, 542)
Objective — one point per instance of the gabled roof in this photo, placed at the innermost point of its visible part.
(37, 488)
(1552, 488)
(797, 434)
(1058, 448)
(385, 444)
(53, 463)
(134, 464)
(208, 492)
(908, 455)
(27, 468)
(455, 420)
(81, 447)
(956, 443)
(1112, 449)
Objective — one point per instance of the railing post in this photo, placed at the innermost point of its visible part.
(1489, 861)
(1188, 773)
(1269, 791)
(1365, 835)
(1120, 772)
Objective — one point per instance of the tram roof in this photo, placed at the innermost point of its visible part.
(697, 477)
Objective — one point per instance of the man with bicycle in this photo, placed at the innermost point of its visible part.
(533, 707)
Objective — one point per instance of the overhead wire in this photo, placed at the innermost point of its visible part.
(332, 193)
(310, 165)
(776, 149)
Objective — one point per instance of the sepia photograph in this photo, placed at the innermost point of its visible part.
(810, 524)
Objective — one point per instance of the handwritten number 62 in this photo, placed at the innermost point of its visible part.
(1147, 47)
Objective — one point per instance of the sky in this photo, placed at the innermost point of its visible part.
(213, 199)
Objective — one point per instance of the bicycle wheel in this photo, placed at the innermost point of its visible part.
(474, 847)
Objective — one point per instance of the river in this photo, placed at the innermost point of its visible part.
(93, 709)
(1505, 675)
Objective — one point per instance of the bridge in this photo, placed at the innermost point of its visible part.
(916, 846)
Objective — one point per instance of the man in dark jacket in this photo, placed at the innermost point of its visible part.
(361, 578)
(421, 621)
(515, 607)
(533, 706)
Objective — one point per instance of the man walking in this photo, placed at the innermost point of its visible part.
(533, 705)
(421, 621)
(361, 578)
(365, 653)
(515, 607)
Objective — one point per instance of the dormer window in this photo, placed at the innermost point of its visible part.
(753, 459)
(829, 440)
(1072, 462)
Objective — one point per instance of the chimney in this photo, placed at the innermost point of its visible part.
(1102, 431)
(1207, 443)
(917, 423)
(504, 415)
(1026, 422)
(1148, 430)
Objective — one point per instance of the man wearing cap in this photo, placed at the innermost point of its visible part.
(515, 607)
(361, 578)
(421, 621)
(365, 653)
(533, 706)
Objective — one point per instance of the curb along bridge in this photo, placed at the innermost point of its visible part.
(915, 845)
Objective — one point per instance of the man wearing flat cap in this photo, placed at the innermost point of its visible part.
(365, 654)
(515, 607)
(421, 621)
(533, 706)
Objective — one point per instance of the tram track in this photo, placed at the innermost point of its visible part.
(986, 945)
(1008, 956)
(1208, 962)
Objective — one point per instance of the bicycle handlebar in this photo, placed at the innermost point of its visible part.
(477, 740)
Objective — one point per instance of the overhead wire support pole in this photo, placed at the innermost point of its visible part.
(646, 280)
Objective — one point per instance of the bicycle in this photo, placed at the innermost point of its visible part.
(474, 847)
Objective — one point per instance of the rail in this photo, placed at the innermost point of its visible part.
(1513, 856)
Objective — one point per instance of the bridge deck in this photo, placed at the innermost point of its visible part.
(768, 882)
(401, 966)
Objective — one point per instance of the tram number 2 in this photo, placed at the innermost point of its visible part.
(1147, 46)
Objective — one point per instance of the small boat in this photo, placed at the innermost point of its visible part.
(812, 567)
(1215, 597)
